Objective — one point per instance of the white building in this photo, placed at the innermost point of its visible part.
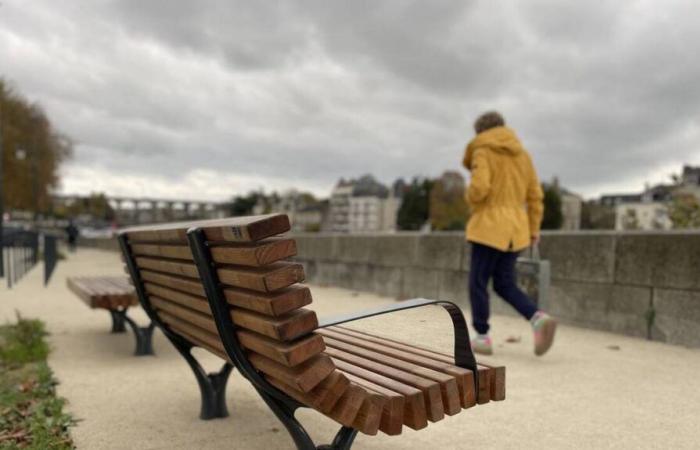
(642, 216)
(362, 206)
(571, 205)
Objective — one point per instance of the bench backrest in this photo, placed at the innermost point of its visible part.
(239, 298)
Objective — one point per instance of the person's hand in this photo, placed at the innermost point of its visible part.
(534, 240)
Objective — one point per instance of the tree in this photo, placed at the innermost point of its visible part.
(243, 205)
(32, 151)
(595, 216)
(684, 211)
(414, 210)
(448, 210)
(630, 220)
(553, 217)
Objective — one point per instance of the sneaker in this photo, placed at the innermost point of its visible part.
(544, 326)
(482, 344)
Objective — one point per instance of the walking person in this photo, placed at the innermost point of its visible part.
(505, 198)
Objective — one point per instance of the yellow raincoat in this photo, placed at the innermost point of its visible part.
(504, 194)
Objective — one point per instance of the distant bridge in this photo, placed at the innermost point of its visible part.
(136, 210)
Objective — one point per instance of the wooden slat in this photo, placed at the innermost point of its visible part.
(271, 304)
(182, 252)
(304, 376)
(348, 406)
(485, 373)
(264, 279)
(415, 415)
(203, 321)
(256, 255)
(182, 284)
(284, 328)
(194, 334)
(253, 254)
(463, 377)
(234, 229)
(392, 415)
(329, 391)
(448, 384)
(345, 409)
(289, 354)
(431, 389)
(168, 266)
(369, 416)
(190, 301)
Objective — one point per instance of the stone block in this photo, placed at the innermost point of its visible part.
(453, 287)
(662, 260)
(580, 256)
(394, 250)
(677, 317)
(615, 308)
(387, 281)
(440, 251)
(466, 255)
(318, 247)
(355, 249)
(418, 282)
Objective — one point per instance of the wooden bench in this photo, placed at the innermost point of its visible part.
(228, 286)
(116, 295)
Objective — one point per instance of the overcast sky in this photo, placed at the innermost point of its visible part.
(207, 99)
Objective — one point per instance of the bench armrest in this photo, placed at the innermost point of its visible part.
(464, 357)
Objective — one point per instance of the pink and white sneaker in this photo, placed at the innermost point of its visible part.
(544, 326)
(482, 344)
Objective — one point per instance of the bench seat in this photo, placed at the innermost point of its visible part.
(116, 295)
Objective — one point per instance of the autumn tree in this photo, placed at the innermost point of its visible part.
(684, 211)
(32, 151)
(448, 210)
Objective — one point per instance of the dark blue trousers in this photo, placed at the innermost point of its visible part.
(487, 263)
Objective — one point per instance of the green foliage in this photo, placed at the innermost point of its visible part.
(32, 416)
(243, 205)
(96, 205)
(23, 342)
(414, 211)
(32, 151)
(684, 211)
(448, 210)
(595, 216)
(553, 216)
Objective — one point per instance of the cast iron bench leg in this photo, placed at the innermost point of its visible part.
(117, 322)
(212, 386)
(143, 335)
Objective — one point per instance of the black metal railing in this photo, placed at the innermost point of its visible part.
(50, 256)
(20, 251)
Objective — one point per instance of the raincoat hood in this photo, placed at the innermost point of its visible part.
(498, 139)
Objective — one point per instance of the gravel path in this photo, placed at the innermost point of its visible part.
(594, 389)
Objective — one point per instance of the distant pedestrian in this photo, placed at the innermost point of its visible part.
(72, 235)
(505, 198)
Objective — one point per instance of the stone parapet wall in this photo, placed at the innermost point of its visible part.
(636, 283)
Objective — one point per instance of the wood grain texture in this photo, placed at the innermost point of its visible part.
(234, 229)
(104, 292)
(284, 328)
(263, 279)
(492, 379)
(290, 354)
(303, 377)
(463, 377)
(447, 383)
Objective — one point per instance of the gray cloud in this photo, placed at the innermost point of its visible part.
(283, 94)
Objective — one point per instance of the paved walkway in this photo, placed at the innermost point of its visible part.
(594, 390)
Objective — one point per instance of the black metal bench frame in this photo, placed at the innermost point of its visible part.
(213, 385)
(142, 335)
